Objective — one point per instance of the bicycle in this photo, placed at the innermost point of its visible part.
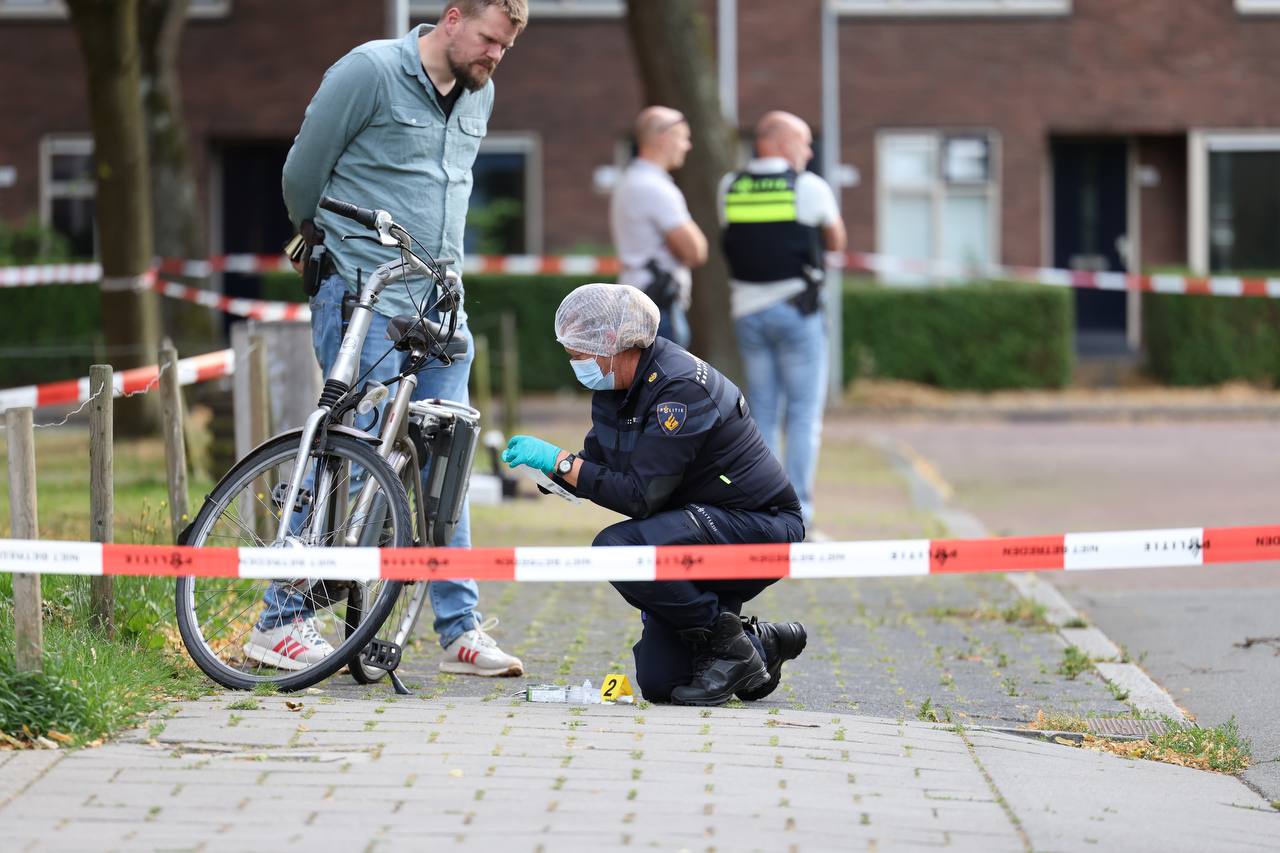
(343, 487)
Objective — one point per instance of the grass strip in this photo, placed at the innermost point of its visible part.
(90, 687)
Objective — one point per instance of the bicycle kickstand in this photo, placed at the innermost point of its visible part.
(385, 656)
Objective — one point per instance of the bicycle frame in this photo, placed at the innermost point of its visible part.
(341, 377)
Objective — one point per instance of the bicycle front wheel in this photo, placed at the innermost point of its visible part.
(291, 632)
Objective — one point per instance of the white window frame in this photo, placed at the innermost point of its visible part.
(1258, 7)
(939, 189)
(56, 9)
(1200, 144)
(949, 8)
(80, 144)
(530, 146)
(537, 9)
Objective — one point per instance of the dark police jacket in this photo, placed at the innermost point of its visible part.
(680, 434)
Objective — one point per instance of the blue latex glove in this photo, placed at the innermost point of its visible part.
(534, 452)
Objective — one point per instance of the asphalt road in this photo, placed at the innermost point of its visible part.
(1189, 628)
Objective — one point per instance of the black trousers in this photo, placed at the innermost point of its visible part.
(663, 661)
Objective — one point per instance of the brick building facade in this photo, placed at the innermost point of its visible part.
(1086, 133)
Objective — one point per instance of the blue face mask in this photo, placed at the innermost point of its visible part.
(590, 375)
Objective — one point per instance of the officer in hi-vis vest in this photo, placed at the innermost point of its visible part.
(778, 220)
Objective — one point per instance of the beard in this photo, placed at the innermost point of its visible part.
(472, 75)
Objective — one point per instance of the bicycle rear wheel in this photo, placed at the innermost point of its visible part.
(218, 617)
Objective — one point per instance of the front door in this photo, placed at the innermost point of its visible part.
(253, 216)
(1090, 218)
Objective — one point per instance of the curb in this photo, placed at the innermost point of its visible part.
(929, 492)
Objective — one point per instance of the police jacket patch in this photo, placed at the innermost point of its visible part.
(671, 416)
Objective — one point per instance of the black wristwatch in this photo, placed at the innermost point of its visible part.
(565, 465)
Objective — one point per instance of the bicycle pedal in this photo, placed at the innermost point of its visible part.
(380, 654)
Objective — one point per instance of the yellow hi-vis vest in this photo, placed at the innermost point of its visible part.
(762, 240)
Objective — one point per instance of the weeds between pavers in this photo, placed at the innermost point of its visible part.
(1221, 748)
(1074, 662)
(1024, 612)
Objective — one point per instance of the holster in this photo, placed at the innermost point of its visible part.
(317, 265)
(809, 300)
(662, 288)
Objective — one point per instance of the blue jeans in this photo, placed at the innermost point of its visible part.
(454, 602)
(784, 354)
(673, 325)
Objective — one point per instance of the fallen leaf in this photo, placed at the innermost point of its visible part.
(46, 743)
(293, 706)
(455, 773)
(60, 737)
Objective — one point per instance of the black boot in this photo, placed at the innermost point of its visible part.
(782, 641)
(724, 661)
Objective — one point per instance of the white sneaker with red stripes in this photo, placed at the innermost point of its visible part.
(293, 645)
(476, 653)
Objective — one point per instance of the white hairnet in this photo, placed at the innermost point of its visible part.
(605, 319)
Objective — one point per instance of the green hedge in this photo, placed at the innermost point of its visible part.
(48, 333)
(1207, 340)
(977, 336)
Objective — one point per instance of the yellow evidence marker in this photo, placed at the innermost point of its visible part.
(615, 686)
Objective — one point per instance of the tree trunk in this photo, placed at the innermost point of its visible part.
(179, 225)
(672, 46)
(108, 34)
(178, 222)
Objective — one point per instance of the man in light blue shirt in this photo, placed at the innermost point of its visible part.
(396, 125)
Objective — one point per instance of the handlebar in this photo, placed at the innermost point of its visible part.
(366, 217)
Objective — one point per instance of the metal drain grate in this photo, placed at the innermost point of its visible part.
(1127, 728)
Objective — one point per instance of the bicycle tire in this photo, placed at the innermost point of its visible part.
(251, 473)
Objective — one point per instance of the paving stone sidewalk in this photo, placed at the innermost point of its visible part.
(877, 647)
(342, 774)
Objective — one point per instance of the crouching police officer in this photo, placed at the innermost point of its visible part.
(673, 447)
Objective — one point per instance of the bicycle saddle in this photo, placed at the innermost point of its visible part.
(411, 332)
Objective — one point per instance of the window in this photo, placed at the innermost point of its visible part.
(56, 9)
(67, 190)
(937, 196)
(953, 7)
(1258, 7)
(431, 9)
(505, 216)
(1235, 209)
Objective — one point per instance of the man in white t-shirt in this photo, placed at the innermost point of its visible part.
(656, 239)
(778, 221)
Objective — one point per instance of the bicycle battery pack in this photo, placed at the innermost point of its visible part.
(446, 435)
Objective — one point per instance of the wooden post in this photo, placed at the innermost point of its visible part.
(175, 443)
(102, 489)
(510, 374)
(482, 381)
(259, 428)
(27, 602)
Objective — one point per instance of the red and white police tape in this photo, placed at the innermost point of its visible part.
(1128, 549)
(196, 368)
(25, 276)
(255, 309)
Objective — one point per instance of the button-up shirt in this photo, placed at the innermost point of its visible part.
(680, 434)
(375, 135)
